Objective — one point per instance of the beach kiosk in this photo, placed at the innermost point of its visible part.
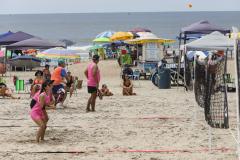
(152, 50)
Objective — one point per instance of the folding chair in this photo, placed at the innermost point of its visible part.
(136, 75)
(148, 73)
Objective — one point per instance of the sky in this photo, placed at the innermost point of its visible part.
(89, 6)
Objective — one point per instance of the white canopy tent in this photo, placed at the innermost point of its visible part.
(213, 41)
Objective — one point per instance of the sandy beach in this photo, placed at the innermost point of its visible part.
(156, 124)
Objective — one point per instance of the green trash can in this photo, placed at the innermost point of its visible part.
(164, 81)
(20, 85)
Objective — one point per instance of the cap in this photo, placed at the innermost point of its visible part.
(60, 61)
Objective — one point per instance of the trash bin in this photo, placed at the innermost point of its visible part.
(164, 81)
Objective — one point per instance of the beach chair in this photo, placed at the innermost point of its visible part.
(2, 80)
(148, 73)
(230, 81)
(136, 74)
(20, 86)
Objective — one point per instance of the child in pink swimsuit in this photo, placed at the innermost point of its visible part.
(38, 114)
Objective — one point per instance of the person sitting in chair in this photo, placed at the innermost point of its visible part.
(105, 91)
(70, 83)
(127, 86)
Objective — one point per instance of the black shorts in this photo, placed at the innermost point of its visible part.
(92, 89)
(56, 88)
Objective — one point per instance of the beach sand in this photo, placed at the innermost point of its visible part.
(156, 119)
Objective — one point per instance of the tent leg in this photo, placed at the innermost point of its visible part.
(209, 138)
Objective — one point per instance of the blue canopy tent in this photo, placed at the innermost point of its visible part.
(199, 28)
(33, 43)
(15, 37)
(5, 34)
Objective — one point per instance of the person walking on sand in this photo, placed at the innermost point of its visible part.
(59, 77)
(38, 112)
(93, 78)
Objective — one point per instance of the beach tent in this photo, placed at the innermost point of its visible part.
(203, 27)
(198, 29)
(105, 34)
(59, 53)
(5, 34)
(135, 30)
(15, 37)
(33, 43)
(213, 41)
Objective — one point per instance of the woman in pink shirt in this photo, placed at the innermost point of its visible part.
(93, 78)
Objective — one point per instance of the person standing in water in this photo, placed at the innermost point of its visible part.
(93, 78)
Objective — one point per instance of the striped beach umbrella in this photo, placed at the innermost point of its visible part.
(59, 53)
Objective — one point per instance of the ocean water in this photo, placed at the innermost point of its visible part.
(83, 27)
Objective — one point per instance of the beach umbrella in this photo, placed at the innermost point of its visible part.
(102, 40)
(59, 53)
(106, 34)
(135, 30)
(25, 61)
(146, 35)
(121, 36)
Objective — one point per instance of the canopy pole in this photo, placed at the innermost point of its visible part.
(236, 54)
(179, 58)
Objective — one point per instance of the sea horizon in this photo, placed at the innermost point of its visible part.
(82, 28)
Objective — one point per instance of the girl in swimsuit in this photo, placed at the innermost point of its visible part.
(44, 100)
(38, 81)
(127, 86)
